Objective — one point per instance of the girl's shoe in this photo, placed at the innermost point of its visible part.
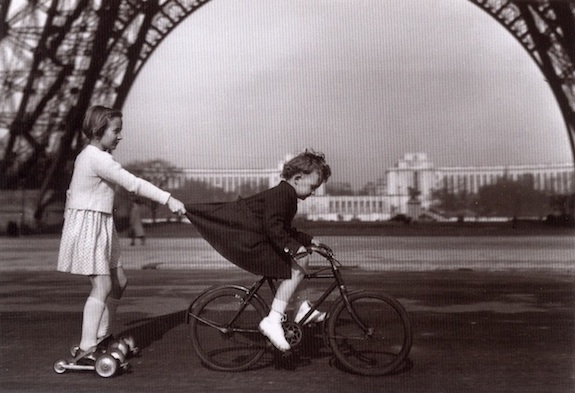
(87, 357)
(106, 341)
(102, 344)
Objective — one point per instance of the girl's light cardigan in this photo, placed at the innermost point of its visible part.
(95, 175)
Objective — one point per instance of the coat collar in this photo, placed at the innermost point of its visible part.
(287, 186)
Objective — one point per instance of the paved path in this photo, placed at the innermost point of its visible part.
(489, 315)
(475, 331)
(375, 253)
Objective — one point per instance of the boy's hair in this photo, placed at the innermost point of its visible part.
(96, 120)
(306, 163)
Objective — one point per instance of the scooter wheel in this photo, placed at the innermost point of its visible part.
(59, 366)
(118, 355)
(121, 346)
(131, 343)
(106, 366)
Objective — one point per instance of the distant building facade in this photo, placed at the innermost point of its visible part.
(346, 208)
(415, 172)
(406, 188)
(231, 180)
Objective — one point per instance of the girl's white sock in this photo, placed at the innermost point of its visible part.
(93, 310)
(108, 321)
(104, 327)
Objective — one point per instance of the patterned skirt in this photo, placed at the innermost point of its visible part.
(90, 243)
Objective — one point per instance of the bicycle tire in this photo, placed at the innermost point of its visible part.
(379, 351)
(235, 347)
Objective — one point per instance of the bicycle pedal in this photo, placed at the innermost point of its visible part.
(283, 356)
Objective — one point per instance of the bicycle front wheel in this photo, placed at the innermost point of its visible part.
(224, 330)
(373, 337)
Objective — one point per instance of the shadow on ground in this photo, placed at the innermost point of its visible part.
(149, 330)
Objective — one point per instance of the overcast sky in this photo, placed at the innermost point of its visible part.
(239, 84)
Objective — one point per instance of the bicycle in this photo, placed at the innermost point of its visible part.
(369, 332)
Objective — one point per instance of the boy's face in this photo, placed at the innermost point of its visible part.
(306, 184)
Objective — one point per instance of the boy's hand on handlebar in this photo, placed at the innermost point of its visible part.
(301, 252)
(176, 206)
(322, 246)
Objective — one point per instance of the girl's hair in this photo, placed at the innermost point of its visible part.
(96, 120)
(306, 163)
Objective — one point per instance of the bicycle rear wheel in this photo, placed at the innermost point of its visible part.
(374, 341)
(224, 336)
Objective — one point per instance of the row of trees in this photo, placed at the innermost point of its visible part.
(344, 188)
(504, 198)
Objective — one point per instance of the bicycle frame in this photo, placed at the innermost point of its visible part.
(335, 267)
(251, 292)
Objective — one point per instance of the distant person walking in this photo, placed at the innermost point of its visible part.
(90, 245)
(136, 225)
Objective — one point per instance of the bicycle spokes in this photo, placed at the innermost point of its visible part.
(379, 343)
(224, 337)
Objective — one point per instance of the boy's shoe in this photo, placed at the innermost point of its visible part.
(316, 316)
(275, 333)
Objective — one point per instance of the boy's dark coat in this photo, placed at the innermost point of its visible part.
(254, 233)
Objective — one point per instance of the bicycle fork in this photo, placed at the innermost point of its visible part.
(345, 298)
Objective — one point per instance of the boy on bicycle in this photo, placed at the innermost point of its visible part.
(256, 234)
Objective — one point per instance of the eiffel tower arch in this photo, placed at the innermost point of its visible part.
(58, 57)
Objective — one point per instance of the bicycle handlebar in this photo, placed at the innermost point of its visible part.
(322, 249)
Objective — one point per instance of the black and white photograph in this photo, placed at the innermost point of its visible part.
(287, 196)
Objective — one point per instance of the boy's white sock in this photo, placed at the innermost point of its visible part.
(278, 309)
(93, 310)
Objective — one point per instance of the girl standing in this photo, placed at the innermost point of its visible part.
(90, 245)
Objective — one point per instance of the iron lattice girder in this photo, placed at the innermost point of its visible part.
(48, 55)
(59, 56)
(546, 29)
